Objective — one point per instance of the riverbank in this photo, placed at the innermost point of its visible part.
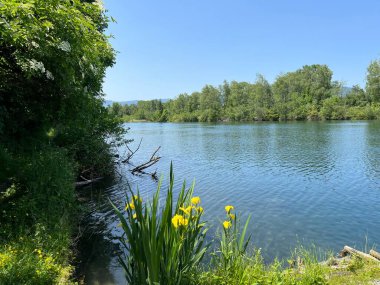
(302, 269)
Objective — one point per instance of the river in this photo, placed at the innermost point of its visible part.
(303, 182)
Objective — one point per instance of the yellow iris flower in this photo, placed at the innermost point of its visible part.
(130, 205)
(186, 210)
(232, 216)
(179, 220)
(228, 208)
(227, 224)
(137, 198)
(195, 200)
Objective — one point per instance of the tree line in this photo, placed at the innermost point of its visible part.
(308, 93)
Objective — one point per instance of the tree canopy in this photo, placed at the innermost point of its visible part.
(308, 93)
(373, 81)
(53, 59)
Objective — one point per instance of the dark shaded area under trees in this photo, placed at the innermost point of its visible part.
(308, 93)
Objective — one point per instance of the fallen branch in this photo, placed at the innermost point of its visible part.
(87, 182)
(153, 160)
(349, 250)
(374, 254)
(131, 152)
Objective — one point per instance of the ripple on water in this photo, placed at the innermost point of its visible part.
(302, 182)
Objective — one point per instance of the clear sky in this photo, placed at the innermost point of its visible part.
(168, 47)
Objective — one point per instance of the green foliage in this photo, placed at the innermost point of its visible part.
(29, 261)
(305, 94)
(164, 245)
(373, 81)
(233, 244)
(355, 264)
(53, 127)
(332, 109)
(52, 61)
(251, 269)
(36, 216)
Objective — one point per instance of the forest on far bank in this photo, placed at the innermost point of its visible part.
(308, 93)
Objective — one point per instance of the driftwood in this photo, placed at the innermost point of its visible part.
(374, 254)
(131, 152)
(87, 181)
(153, 159)
(140, 169)
(349, 250)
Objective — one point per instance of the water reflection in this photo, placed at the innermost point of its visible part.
(302, 182)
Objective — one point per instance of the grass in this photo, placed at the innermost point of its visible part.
(355, 271)
(36, 220)
(252, 270)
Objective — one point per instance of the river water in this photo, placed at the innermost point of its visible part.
(303, 182)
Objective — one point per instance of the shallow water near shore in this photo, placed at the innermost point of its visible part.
(303, 182)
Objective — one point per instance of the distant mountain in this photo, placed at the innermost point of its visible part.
(132, 102)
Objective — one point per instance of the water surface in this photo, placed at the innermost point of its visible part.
(303, 182)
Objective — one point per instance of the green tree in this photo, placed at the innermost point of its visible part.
(373, 81)
(53, 125)
(309, 85)
(356, 97)
(53, 59)
(225, 92)
(116, 109)
(262, 99)
(209, 104)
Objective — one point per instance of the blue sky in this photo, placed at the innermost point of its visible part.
(170, 47)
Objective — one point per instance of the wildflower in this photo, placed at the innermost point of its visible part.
(195, 200)
(39, 252)
(227, 224)
(179, 220)
(175, 220)
(130, 206)
(228, 208)
(184, 222)
(232, 216)
(134, 216)
(199, 210)
(137, 198)
(186, 210)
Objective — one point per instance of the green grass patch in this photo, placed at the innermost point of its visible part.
(36, 218)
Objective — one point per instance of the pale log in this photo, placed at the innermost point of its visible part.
(374, 254)
(353, 251)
